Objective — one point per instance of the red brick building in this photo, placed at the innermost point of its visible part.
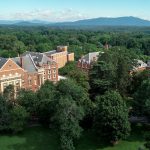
(141, 66)
(61, 56)
(29, 71)
(86, 62)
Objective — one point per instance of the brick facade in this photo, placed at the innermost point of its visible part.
(17, 72)
(61, 56)
(86, 62)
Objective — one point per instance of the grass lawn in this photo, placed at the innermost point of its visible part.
(39, 138)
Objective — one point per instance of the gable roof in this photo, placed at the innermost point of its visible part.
(2, 61)
(36, 56)
(28, 64)
(88, 58)
(7, 64)
(39, 58)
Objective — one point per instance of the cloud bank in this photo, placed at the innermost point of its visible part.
(47, 15)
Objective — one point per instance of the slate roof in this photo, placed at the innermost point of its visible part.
(17, 60)
(36, 56)
(39, 58)
(88, 58)
(28, 63)
(50, 52)
(2, 61)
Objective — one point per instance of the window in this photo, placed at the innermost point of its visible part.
(54, 75)
(4, 85)
(30, 81)
(17, 83)
(35, 82)
(49, 77)
(17, 88)
(49, 71)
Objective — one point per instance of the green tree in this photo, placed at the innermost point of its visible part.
(147, 138)
(28, 100)
(19, 47)
(141, 104)
(79, 76)
(4, 114)
(111, 117)
(9, 93)
(43, 47)
(67, 117)
(112, 71)
(137, 79)
(70, 88)
(18, 118)
(46, 100)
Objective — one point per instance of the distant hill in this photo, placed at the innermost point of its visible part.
(24, 22)
(120, 21)
(8, 22)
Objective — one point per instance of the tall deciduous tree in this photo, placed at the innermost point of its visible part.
(111, 116)
(19, 47)
(18, 118)
(141, 104)
(112, 71)
(46, 100)
(4, 114)
(81, 77)
(9, 93)
(78, 94)
(28, 100)
(67, 117)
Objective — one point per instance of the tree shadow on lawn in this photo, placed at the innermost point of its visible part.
(137, 134)
(37, 139)
(89, 141)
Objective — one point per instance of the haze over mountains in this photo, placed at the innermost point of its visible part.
(102, 21)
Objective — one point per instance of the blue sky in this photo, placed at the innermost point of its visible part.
(70, 10)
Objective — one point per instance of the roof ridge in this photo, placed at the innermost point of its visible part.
(32, 61)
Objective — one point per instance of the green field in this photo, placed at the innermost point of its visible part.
(38, 138)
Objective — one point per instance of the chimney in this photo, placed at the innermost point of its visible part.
(21, 61)
(106, 46)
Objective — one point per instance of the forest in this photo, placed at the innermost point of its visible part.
(101, 102)
(16, 40)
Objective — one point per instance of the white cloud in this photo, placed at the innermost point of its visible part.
(48, 15)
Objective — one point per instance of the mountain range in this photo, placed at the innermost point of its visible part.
(102, 21)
